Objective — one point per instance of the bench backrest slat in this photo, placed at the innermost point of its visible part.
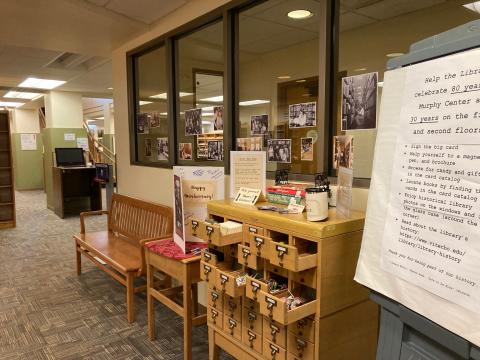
(138, 220)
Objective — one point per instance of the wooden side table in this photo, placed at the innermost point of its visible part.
(186, 271)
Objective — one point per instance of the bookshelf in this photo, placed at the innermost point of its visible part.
(7, 195)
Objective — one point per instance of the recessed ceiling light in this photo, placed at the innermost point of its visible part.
(301, 81)
(395, 54)
(283, 77)
(473, 6)
(21, 95)
(41, 83)
(11, 103)
(300, 14)
(214, 99)
(253, 102)
(142, 102)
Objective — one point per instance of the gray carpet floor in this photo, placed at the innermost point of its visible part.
(47, 312)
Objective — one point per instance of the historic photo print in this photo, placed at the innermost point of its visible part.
(343, 152)
(302, 115)
(249, 144)
(306, 151)
(162, 149)
(215, 150)
(218, 118)
(279, 150)
(359, 102)
(185, 151)
(258, 124)
(193, 122)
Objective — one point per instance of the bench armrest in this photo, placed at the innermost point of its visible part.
(83, 215)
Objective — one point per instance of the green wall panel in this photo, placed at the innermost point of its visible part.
(28, 165)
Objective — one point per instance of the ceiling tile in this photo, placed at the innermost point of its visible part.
(146, 11)
(357, 4)
(349, 21)
(390, 8)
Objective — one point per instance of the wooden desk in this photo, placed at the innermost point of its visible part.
(75, 190)
(188, 273)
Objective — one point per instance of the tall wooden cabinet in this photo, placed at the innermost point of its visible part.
(7, 194)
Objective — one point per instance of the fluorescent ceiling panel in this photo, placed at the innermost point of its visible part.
(474, 6)
(164, 95)
(214, 99)
(10, 104)
(21, 95)
(41, 83)
(142, 102)
(253, 102)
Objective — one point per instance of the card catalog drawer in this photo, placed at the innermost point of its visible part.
(304, 328)
(272, 351)
(300, 348)
(215, 299)
(248, 258)
(233, 327)
(275, 332)
(253, 321)
(252, 340)
(215, 317)
(232, 307)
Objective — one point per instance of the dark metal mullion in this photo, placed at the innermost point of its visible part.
(132, 94)
(334, 58)
(230, 86)
(171, 76)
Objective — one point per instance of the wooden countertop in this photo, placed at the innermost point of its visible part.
(296, 224)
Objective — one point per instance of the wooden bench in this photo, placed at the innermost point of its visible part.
(119, 250)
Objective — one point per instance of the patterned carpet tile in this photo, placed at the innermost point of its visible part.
(47, 312)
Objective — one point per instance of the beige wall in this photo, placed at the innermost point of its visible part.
(25, 121)
(63, 110)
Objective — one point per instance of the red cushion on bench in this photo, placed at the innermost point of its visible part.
(168, 248)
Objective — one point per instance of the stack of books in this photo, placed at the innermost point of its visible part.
(283, 194)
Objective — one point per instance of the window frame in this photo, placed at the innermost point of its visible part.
(228, 13)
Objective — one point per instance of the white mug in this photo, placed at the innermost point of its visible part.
(316, 203)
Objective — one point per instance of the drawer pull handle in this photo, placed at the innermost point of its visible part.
(232, 305)
(274, 330)
(301, 345)
(301, 324)
(251, 337)
(252, 230)
(255, 287)
(274, 351)
(258, 242)
(194, 225)
(224, 279)
(209, 232)
(207, 256)
(282, 251)
(251, 317)
(246, 253)
(214, 296)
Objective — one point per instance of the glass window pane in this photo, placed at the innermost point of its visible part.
(151, 118)
(278, 83)
(200, 96)
(370, 35)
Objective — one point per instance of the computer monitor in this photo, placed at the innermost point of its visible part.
(69, 157)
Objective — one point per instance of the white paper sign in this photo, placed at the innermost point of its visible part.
(82, 143)
(344, 190)
(295, 208)
(247, 169)
(69, 137)
(28, 141)
(247, 196)
(431, 236)
(199, 186)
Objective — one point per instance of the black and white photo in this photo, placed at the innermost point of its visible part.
(306, 151)
(148, 147)
(143, 123)
(215, 150)
(279, 150)
(178, 196)
(359, 102)
(193, 122)
(302, 115)
(258, 124)
(218, 118)
(162, 149)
